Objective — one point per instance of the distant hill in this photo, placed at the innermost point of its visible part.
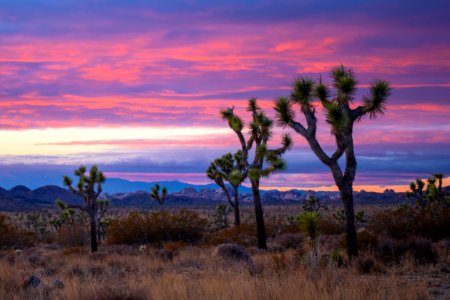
(116, 185)
(21, 198)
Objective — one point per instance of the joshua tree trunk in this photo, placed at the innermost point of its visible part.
(93, 222)
(347, 199)
(344, 180)
(99, 233)
(237, 217)
(259, 215)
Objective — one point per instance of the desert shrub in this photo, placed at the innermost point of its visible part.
(116, 293)
(329, 225)
(74, 251)
(174, 246)
(12, 236)
(245, 235)
(432, 221)
(422, 250)
(289, 240)
(366, 264)
(366, 239)
(389, 249)
(74, 235)
(330, 242)
(156, 228)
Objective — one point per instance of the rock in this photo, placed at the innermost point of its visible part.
(143, 248)
(58, 283)
(234, 252)
(32, 281)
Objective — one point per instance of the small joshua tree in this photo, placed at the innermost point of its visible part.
(432, 193)
(66, 216)
(89, 188)
(260, 132)
(341, 118)
(229, 168)
(312, 203)
(220, 217)
(160, 198)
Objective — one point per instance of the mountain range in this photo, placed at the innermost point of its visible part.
(21, 198)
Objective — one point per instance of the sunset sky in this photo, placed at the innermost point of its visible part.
(136, 86)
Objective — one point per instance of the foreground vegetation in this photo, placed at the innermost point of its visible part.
(171, 254)
(195, 273)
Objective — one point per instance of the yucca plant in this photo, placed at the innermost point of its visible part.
(341, 118)
(309, 222)
(265, 161)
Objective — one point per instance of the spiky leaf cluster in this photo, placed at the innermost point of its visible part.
(303, 92)
(375, 103)
(87, 183)
(310, 223)
(234, 121)
(337, 110)
(156, 195)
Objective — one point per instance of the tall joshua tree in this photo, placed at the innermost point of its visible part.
(341, 117)
(160, 198)
(265, 161)
(229, 168)
(86, 189)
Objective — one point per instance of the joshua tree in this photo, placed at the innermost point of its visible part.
(432, 193)
(66, 216)
(260, 132)
(160, 198)
(86, 190)
(312, 203)
(341, 117)
(229, 168)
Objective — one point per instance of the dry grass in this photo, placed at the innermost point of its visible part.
(194, 273)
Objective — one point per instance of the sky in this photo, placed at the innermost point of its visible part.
(136, 86)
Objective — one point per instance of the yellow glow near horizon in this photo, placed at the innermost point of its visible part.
(356, 188)
(50, 141)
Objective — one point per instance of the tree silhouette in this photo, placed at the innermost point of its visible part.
(341, 118)
(260, 132)
(229, 168)
(160, 198)
(432, 193)
(86, 189)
